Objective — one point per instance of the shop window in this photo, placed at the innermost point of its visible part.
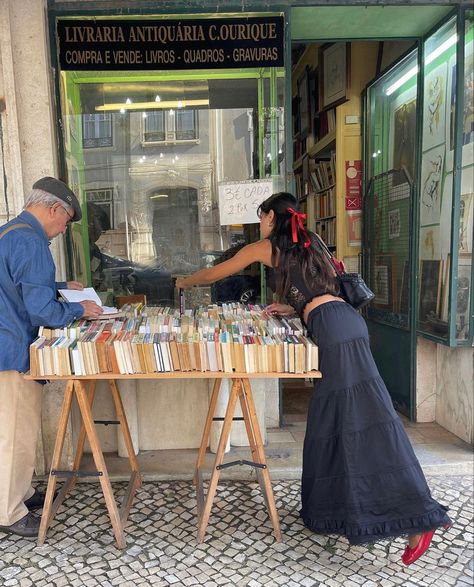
(103, 200)
(97, 130)
(170, 126)
(444, 307)
(156, 205)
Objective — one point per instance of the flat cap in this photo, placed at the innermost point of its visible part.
(59, 189)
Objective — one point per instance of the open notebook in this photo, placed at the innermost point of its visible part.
(88, 293)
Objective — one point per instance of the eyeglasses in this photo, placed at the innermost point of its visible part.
(68, 215)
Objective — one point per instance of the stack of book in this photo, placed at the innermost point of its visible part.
(226, 337)
(323, 173)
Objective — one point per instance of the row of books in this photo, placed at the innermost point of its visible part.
(325, 203)
(325, 123)
(228, 338)
(326, 230)
(323, 173)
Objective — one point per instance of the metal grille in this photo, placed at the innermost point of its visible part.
(387, 219)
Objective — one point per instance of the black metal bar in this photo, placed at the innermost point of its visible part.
(241, 462)
(106, 422)
(219, 419)
(59, 473)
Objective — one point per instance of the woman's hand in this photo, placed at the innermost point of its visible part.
(181, 283)
(74, 285)
(280, 309)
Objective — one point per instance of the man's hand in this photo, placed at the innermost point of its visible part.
(74, 285)
(280, 309)
(91, 309)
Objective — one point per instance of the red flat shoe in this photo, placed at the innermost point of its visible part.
(412, 554)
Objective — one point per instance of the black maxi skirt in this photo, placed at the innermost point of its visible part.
(361, 478)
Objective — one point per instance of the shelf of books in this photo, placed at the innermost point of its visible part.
(314, 142)
(228, 338)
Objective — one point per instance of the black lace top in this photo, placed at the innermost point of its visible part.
(299, 294)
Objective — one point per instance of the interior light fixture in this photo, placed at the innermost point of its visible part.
(158, 196)
(428, 59)
(162, 104)
(157, 99)
(128, 101)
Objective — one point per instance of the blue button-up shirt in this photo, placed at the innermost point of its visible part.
(28, 292)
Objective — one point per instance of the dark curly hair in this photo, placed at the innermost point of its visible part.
(317, 273)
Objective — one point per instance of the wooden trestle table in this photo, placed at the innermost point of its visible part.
(83, 388)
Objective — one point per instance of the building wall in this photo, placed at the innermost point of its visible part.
(161, 414)
(156, 410)
(445, 387)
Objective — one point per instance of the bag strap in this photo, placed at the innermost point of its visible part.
(13, 227)
(328, 255)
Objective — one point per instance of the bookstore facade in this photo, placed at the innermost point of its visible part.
(173, 120)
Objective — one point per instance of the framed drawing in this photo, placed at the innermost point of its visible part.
(431, 186)
(394, 223)
(430, 290)
(405, 137)
(384, 282)
(434, 107)
(304, 104)
(335, 78)
(467, 122)
(466, 212)
(463, 296)
(445, 289)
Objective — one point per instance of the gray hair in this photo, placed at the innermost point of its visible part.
(42, 198)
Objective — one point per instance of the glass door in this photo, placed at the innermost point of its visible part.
(388, 247)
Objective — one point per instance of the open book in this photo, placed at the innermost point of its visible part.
(88, 293)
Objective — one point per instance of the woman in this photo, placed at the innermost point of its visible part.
(360, 475)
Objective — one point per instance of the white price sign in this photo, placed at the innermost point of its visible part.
(239, 200)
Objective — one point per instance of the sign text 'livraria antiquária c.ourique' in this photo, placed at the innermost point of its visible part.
(171, 44)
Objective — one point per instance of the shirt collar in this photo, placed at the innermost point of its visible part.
(34, 223)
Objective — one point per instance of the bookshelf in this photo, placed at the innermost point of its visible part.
(314, 149)
(333, 139)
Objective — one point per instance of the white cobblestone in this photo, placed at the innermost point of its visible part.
(239, 550)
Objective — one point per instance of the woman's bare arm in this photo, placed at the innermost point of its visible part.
(261, 251)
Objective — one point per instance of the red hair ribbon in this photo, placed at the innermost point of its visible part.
(297, 218)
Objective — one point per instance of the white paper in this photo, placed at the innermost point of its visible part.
(88, 293)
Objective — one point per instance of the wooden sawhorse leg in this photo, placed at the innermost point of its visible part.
(241, 390)
(88, 431)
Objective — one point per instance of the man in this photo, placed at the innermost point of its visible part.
(28, 299)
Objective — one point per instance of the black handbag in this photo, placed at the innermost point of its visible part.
(352, 287)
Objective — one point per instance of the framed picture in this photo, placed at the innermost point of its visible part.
(445, 289)
(430, 290)
(434, 107)
(334, 61)
(431, 186)
(354, 228)
(394, 223)
(463, 296)
(313, 85)
(403, 139)
(304, 104)
(384, 282)
(465, 223)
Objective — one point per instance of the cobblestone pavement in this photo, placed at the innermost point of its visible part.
(239, 547)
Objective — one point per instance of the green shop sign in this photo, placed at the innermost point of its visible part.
(171, 44)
